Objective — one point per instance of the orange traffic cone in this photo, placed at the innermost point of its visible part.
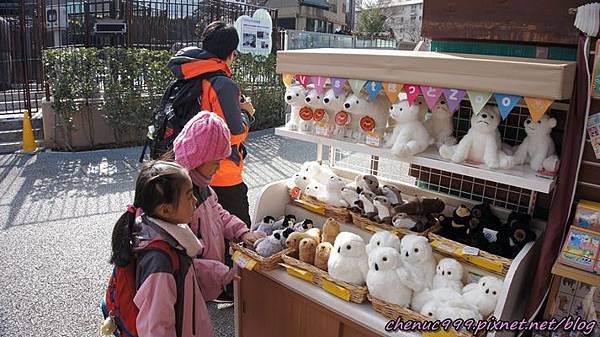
(29, 144)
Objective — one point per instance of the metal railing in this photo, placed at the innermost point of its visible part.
(294, 39)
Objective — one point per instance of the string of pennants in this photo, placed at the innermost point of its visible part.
(537, 106)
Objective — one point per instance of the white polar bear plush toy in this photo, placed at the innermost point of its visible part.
(449, 274)
(317, 172)
(300, 180)
(366, 116)
(410, 135)
(333, 192)
(483, 294)
(482, 144)
(348, 261)
(538, 147)
(384, 280)
(314, 101)
(383, 239)
(295, 97)
(334, 104)
(314, 189)
(439, 125)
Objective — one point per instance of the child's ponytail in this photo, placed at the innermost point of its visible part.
(122, 239)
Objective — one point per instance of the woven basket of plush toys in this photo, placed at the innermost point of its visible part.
(320, 257)
(405, 280)
(318, 189)
(478, 237)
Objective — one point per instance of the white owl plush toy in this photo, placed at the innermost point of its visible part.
(348, 260)
(383, 239)
(449, 274)
(483, 294)
(384, 280)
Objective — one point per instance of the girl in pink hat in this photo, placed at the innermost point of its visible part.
(200, 147)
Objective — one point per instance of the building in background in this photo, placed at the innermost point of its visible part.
(323, 16)
(404, 17)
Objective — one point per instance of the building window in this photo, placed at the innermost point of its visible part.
(310, 25)
(287, 23)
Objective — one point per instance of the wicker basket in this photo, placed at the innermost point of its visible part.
(372, 226)
(358, 294)
(393, 311)
(262, 263)
(314, 205)
(496, 264)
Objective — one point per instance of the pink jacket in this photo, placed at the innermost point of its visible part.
(172, 304)
(212, 224)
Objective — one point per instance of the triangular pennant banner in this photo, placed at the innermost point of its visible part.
(357, 85)
(412, 91)
(537, 107)
(454, 97)
(319, 82)
(338, 84)
(431, 95)
(373, 88)
(303, 79)
(287, 80)
(506, 103)
(478, 100)
(392, 90)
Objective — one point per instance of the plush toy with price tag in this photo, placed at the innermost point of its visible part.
(367, 118)
(314, 112)
(337, 119)
(295, 97)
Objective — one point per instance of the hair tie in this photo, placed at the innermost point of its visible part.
(131, 209)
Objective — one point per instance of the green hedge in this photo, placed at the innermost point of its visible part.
(129, 83)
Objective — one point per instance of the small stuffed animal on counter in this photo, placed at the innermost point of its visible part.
(266, 226)
(483, 215)
(383, 279)
(383, 239)
(449, 274)
(410, 135)
(269, 245)
(520, 232)
(393, 195)
(418, 261)
(439, 125)
(301, 180)
(307, 247)
(293, 240)
(453, 310)
(384, 209)
(444, 295)
(294, 97)
(369, 210)
(355, 105)
(315, 190)
(538, 145)
(334, 104)
(482, 143)
(348, 261)
(372, 115)
(415, 223)
(333, 192)
(284, 234)
(287, 221)
(317, 173)
(456, 227)
(322, 255)
(421, 206)
(305, 225)
(314, 101)
(314, 233)
(351, 197)
(367, 182)
(483, 294)
(331, 229)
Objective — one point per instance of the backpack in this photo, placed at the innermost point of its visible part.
(118, 300)
(180, 102)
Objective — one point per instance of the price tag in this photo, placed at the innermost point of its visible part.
(336, 290)
(468, 250)
(295, 193)
(321, 130)
(490, 234)
(299, 273)
(243, 260)
(485, 263)
(444, 247)
(373, 139)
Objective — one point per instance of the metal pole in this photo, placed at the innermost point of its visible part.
(24, 59)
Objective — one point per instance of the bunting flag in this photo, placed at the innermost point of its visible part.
(338, 85)
(412, 91)
(506, 103)
(454, 97)
(319, 82)
(537, 107)
(303, 79)
(392, 90)
(373, 88)
(478, 100)
(288, 79)
(357, 85)
(431, 95)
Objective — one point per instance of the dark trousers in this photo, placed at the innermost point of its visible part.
(234, 199)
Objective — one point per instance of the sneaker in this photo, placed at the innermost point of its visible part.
(224, 298)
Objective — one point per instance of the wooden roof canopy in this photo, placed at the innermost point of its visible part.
(508, 75)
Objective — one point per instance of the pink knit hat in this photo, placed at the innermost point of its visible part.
(204, 138)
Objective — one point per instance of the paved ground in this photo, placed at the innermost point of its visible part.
(57, 211)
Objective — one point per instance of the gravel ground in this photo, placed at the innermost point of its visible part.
(57, 211)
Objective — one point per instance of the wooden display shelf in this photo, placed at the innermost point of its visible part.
(520, 176)
(576, 274)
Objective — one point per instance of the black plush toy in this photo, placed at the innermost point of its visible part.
(520, 232)
(484, 217)
(455, 228)
(474, 236)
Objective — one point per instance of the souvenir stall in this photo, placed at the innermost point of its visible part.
(426, 206)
